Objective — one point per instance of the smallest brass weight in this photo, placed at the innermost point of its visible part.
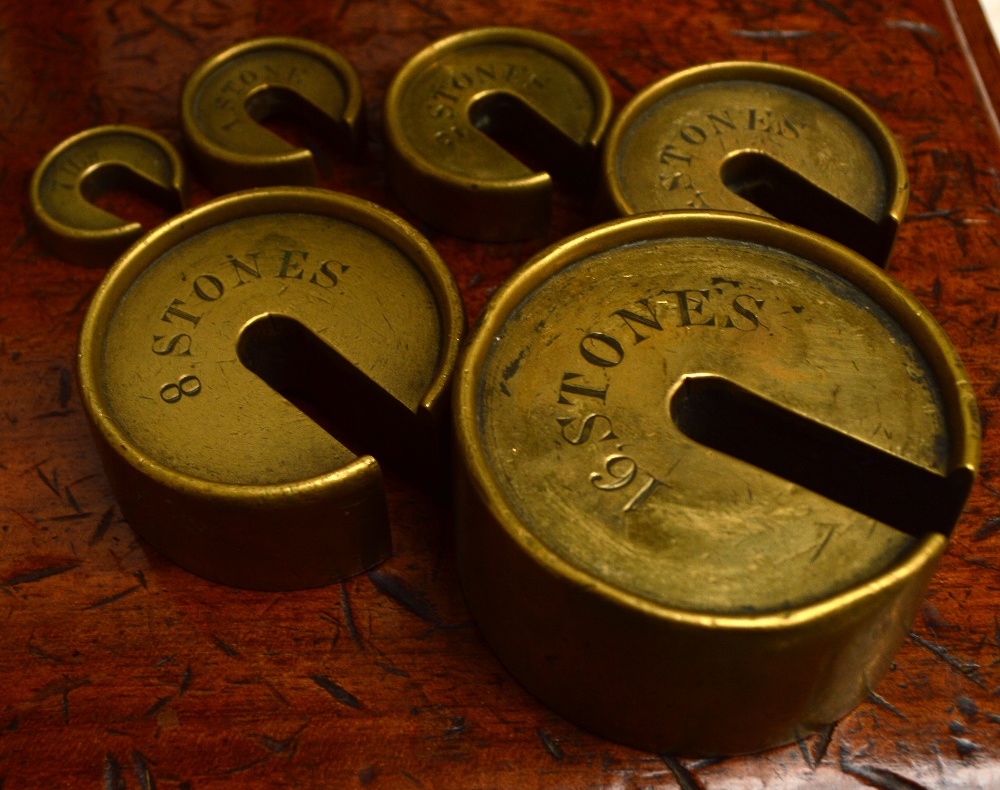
(763, 139)
(455, 107)
(86, 165)
(225, 99)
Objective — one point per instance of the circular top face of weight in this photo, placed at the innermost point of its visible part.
(762, 139)
(693, 409)
(227, 95)
(260, 281)
(441, 99)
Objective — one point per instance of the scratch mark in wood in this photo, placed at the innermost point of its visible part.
(53, 487)
(823, 742)
(392, 670)
(185, 681)
(416, 602)
(112, 598)
(964, 746)
(684, 777)
(142, 579)
(289, 745)
(913, 27)
(881, 778)
(352, 629)
(832, 9)
(806, 754)
(142, 772)
(113, 779)
(244, 767)
(967, 707)
(416, 782)
(990, 527)
(967, 668)
(102, 526)
(550, 745)
(225, 648)
(157, 706)
(622, 80)
(944, 212)
(38, 575)
(72, 500)
(458, 727)
(771, 34)
(65, 387)
(180, 33)
(340, 694)
(882, 702)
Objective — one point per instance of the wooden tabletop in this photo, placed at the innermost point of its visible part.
(120, 670)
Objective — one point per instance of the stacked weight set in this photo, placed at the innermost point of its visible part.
(681, 522)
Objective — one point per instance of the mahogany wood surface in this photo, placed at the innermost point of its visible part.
(120, 670)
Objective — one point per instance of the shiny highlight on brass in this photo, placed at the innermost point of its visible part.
(83, 167)
(764, 139)
(706, 464)
(455, 105)
(243, 367)
(225, 99)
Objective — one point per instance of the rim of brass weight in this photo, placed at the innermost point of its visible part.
(124, 453)
(498, 208)
(491, 531)
(811, 84)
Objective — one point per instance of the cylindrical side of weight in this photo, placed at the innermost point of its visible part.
(693, 686)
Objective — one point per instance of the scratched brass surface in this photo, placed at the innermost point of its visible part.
(89, 163)
(655, 589)
(445, 103)
(225, 99)
(197, 335)
(716, 136)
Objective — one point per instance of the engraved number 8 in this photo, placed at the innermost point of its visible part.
(186, 385)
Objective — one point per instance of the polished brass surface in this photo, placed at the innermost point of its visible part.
(209, 343)
(764, 139)
(228, 96)
(86, 165)
(706, 465)
(453, 107)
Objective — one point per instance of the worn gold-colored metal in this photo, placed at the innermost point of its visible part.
(88, 164)
(225, 99)
(454, 105)
(209, 343)
(706, 465)
(764, 139)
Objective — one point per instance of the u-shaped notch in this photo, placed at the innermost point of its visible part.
(227, 97)
(86, 165)
(463, 114)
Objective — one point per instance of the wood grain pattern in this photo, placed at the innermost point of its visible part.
(120, 670)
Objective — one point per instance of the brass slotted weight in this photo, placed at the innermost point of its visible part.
(87, 164)
(242, 366)
(225, 99)
(706, 465)
(447, 104)
(764, 139)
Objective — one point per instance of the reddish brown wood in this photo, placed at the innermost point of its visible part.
(120, 670)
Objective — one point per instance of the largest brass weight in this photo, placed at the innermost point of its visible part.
(707, 464)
